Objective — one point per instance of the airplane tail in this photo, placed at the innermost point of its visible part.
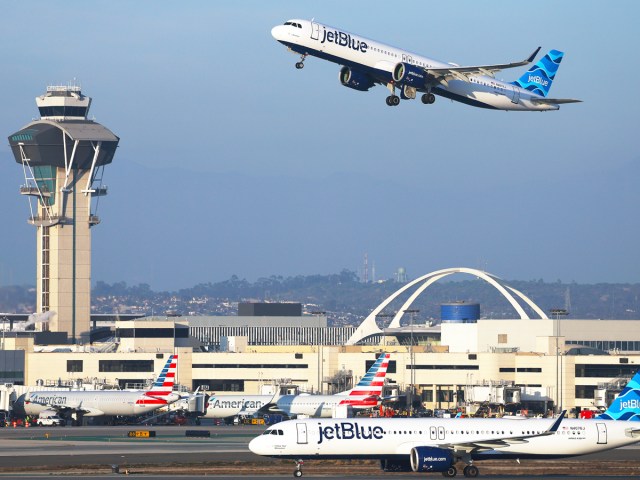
(626, 406)
(372, 382)
(538, 78)
(162, 389)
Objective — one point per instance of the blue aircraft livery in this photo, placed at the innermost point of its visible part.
(365, 63)
(627, 405)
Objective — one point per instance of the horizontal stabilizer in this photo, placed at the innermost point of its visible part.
(555, 101)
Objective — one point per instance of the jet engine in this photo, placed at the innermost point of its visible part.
(430, 459)
(355, 79)
(408, 74)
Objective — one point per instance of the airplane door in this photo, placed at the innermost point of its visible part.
(302, 433)
(516, 95)
(315, 31)
(602, 433)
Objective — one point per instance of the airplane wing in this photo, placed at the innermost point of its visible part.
(443, 75)
(492, 444)
(554, 101)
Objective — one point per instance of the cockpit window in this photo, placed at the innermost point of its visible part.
(268, 432)
(288, 23)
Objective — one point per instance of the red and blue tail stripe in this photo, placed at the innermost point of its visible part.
(372, 382)
(163, 386)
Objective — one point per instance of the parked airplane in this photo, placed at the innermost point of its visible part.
(366, 63)
(92, 403)
(366, 394)
(436, 444)
(224, 406)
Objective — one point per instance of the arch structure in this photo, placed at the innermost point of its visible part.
(369, 326)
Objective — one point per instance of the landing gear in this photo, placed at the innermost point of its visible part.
(470, 471)
(298, 471)
(300, 64)
(450, 472)
(393, 100)
(428, 98)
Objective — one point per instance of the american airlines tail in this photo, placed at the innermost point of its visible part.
(372, 382)
(538, 79)
(626, 406)
(161, 391)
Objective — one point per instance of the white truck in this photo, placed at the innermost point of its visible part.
(49, 418)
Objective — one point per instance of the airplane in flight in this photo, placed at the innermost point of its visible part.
(366, 63)
(436, 444)
(93, 403)
(366, 394)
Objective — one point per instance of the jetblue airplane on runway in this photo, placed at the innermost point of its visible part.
(367, 63)
(436, 444)
(92, 403)
(366, 394)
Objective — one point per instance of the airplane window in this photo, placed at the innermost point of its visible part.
(280, 432)
(287, 23)
(267, 432)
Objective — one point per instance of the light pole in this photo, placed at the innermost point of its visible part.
(557, 313)
(411, 313)
(320, 359)
(385, 315)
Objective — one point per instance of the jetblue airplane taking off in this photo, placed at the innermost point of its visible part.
(366, 394)
(436, 444)
(366, 63)
(92, 403)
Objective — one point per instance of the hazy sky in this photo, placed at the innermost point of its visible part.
(231, 161)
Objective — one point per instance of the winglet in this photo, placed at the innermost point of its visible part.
(533, 55)
(556, 424)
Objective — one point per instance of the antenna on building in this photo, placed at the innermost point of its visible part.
(366, 268)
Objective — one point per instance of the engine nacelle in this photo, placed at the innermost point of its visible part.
(355, 79)
(407, 74)
(430, 459)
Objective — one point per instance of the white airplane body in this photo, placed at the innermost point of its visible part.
(367, 62)
(435, 444)
(92, 403)
(224, 406)
(366, 394)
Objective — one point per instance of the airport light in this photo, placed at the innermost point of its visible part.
(411, 312)
(556, 313)
(384, 335)
(318, 314)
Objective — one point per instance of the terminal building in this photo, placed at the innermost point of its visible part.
(462, 361)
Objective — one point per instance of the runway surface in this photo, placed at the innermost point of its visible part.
(43, 452)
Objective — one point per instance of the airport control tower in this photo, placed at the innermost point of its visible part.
(63, 157)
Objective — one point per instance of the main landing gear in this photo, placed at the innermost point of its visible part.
(428, 98)
(393, 100)
(298, 471)
(470, 471)
(300, 64)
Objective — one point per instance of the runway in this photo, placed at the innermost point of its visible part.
(39, 452)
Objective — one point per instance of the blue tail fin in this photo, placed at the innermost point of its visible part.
(539, 77)
(626, 406)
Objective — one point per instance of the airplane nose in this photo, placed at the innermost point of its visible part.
(277, 32)
(254, 446)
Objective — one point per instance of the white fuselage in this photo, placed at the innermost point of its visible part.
(378, 60)
(380, 438)
(94, 403)
(322, 406)
(223, 406)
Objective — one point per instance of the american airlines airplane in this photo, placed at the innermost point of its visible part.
(436, 444)
(366, 62)
(366, 394)
(92, 403)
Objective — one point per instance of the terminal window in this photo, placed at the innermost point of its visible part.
(74, 366)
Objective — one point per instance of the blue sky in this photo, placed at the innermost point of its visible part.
(231, 161)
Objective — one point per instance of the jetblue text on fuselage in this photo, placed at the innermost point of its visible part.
(344, 40)
(348, 431)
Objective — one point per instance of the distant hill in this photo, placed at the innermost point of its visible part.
(344, 298)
